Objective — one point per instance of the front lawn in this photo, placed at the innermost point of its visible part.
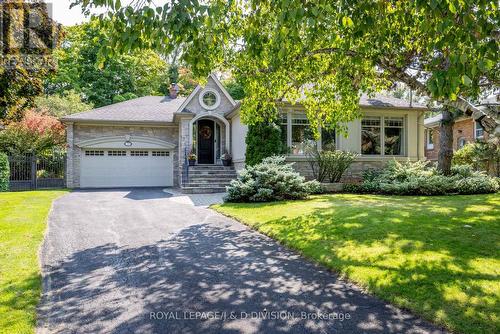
(22, 224)
(438, 256)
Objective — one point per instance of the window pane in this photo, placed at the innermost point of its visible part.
(284, 129)
(393, 140)
(430, 138)
(393, 135)
(479, 130)
(301, 134)
(328, 139)
(370, 135)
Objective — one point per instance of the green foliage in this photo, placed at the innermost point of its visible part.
(21, 70)
(322, 53)
(235, 89)
(417, 178)
(70, 102)
(4, 172)
(124, 97)
(329, 164)
(35, 133)
(481, 155)
(263, 140)
(271, 180)
(138, 73)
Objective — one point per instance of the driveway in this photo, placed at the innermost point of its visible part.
(144, 261)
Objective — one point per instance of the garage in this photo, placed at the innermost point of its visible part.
(126, 168)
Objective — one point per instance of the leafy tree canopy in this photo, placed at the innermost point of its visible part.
(323, 52)
(121, 77)
(60, 105)
(28, 37)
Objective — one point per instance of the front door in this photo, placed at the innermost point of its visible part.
(206, 141)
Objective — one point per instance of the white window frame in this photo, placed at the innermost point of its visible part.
(288, 114)
(475, 131)
(217, 99)
(430, 146)
(382, 136)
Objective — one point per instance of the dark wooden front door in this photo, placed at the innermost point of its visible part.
(206, 141)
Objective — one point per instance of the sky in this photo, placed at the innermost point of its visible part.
(62, 14)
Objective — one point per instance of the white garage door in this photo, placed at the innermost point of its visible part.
(125, 168)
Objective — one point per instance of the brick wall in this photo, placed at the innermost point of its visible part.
(462, 129)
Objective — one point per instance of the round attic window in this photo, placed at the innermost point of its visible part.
(209, 99)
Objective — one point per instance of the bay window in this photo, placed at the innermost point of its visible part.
(382, 135)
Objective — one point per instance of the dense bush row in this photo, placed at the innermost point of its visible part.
(271, 180)
(418, 178)
(4, 172)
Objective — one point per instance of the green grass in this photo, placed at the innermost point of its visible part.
(437, 256)
(23, 218)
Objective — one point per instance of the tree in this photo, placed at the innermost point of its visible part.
(35, 133)
(28, 37)
(326, 53)
(124, 76)
(263, 140)
(57, 105)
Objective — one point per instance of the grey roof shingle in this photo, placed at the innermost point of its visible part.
(152, 109)
(379, 100)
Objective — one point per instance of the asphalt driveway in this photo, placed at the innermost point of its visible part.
(143, 261)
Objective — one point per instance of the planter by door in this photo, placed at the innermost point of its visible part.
(205, 141)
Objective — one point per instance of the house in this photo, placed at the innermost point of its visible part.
(465, 130)
(146, 141)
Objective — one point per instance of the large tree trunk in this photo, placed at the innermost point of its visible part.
(446, 142)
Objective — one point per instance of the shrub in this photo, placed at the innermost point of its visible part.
(4, 172)
(263, 140)
(35, 133)
(271, 180)
(418, 178)
(329, 164)
(480, 155)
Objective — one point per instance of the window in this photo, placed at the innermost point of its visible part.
(392, 141)
(94, 153)
(478, 130)
(393, 135)
(139, 153)
(461, 142)
(209, 99)
(301, 134)
(160, 154)
(370, 135)
(284, 129)
(117, 153)
(430, 139)
(328, 139)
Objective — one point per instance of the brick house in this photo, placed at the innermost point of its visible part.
(465, 130)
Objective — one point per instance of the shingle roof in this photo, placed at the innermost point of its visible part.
(379, 100)
(433, 121)
(152, 109)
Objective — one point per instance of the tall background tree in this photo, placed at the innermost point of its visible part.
(327, 52)
(125, 76)
(28, 37)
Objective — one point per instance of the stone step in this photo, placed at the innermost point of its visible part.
(202, 190)
(211, 167)
(209, 181)
(213, 174)
(205, 185)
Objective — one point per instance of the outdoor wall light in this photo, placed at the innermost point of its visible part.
(127, 141)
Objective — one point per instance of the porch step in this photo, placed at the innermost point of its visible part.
(199, 190)
(208, 179)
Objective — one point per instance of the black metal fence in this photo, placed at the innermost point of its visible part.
(28, 172)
